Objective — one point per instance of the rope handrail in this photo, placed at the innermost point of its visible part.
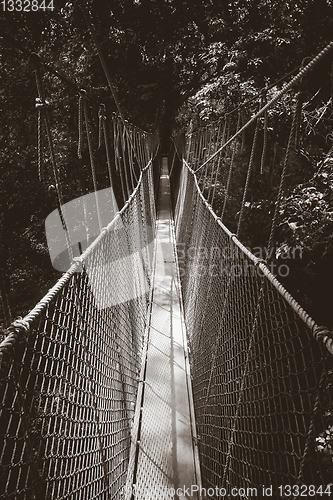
(29, 318)
(69, 369)
(260, 364)
(326, 336)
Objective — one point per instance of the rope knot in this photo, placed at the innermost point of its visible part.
(261, 261)
(101, 112)
(79, 262)
(325, 335)
(39, 103)
(15, 331)
(21, 324)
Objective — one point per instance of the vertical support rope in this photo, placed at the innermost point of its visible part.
(298, 118)
(282, 180)
(131, 160)
(40, 143)
(106, 71)
(116, 155)
(210, 133)
(123, 145)
(311, 429)
(217, 169)
(80, 128)
(277, 96)
(248, 176)
(234, 148)
(91, 157)
(104, 135)
(41, 95)
(265, 137)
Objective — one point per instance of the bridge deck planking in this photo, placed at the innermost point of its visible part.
(166, 451)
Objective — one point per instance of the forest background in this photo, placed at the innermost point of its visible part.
(173, 63)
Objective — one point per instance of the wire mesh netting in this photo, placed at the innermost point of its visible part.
(262, 384)
(69, 371)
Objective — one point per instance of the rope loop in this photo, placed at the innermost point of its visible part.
(79, 262)
(323, 334)
(102, 111)
(39, 103)
(18, 329)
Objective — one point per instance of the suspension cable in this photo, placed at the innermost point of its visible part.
(282, 180)
(231, 166)
(248, 175)
(91, 157)
(52, 154)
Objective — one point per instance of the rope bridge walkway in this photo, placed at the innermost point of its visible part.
(168, 361)
(163, 460)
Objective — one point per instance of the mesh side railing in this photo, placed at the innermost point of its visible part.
(69, 370)
(262, 383)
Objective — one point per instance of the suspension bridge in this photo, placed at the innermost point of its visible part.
(167, 361)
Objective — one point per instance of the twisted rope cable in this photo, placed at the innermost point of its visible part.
(104, 134)
(234, 148)
(41, 95)
(80, 127)
(265, 138)
(217, 170)
(220, 160)
(282, 180)
(39, 145)
(320, 333)
(91, 158)
(248, 176)
(298, 112)
(15, 332)
(22, 326)
(105, 69)
(116, 156)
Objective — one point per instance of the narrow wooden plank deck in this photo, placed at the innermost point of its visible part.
(166, 455)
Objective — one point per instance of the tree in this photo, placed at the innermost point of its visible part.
(161, 55)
